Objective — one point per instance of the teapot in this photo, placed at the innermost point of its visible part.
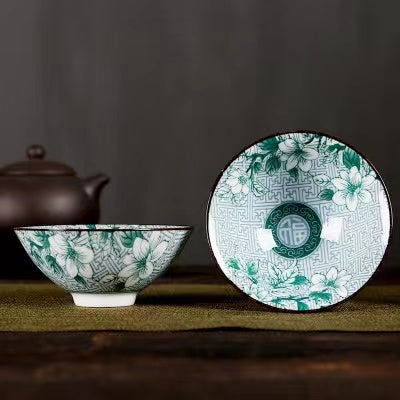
(42, 192)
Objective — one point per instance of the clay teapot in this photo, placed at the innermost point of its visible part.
(42, 192)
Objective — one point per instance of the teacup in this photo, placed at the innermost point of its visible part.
(103, 265)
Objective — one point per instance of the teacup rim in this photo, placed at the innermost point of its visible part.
(104, 228)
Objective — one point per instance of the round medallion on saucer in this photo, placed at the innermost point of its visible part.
(299, 221)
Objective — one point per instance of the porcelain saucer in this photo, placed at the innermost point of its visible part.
(299, 220)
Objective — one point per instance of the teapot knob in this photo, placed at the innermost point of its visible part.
(36, 152)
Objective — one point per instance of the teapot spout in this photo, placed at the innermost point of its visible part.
(94, 185)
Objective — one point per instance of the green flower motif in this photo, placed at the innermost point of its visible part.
(74, 258)
(333, 281)
(352, 188)
(297, 153)
(238, 181)
(139, 263)
(284, 285)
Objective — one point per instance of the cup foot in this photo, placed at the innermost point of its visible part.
(104, 300)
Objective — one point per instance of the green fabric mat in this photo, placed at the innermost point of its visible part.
(172, 307)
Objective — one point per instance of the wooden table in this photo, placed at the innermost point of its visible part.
(208, 364)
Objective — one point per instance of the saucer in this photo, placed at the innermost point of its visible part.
(299, 221)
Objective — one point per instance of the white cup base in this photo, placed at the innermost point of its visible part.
(104, 300)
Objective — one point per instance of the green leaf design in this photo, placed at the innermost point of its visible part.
(252, 268)
(36, 256)
(107, 279)
(259, 188)
(127, 238)
(52, 263)
(324, 296)
(104, 236)
(233, 263)
(294, 173)
(351, 159)
(321, 180)
(274, 275)
(279, 277)
(300, 280)
(326, 194)
(256, 166)
(91, 226)
(271, 144)
(335, 147)
(39, 241)
(119, 286)
(289, 274)
(224, 192)
(80, 280)
(272, 165)
(301, 306)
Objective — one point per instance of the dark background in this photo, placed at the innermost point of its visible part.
(160, 94)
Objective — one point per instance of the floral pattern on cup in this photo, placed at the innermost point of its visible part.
(103, 258)
(140, 261)
(285, 287)
(296, 154)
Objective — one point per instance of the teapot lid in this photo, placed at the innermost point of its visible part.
(36, 165)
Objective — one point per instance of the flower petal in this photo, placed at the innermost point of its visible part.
(58, 243)
(85, 270)
(365, 196)
(34, 238)
(292, 162)
(141, 248)
(332, 274)
(154, 239)
(367, 180)
(235, 172)
(158, 251)
(132, 280)
(317, 278)
(351, 201)
(62, 258)
(309, 153)
(232, 181)
(236, 189)
(341, 291)
(129, 259)
(343, 279)
(85, 254)
(339, 183)
(304, 165)
(146, 271)
(354, 176)
(245, 189)
(288, 146)
(319, 287)
(344, 175)
(284, 156)
(340, 198)
(71, 267)
(128, 271)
